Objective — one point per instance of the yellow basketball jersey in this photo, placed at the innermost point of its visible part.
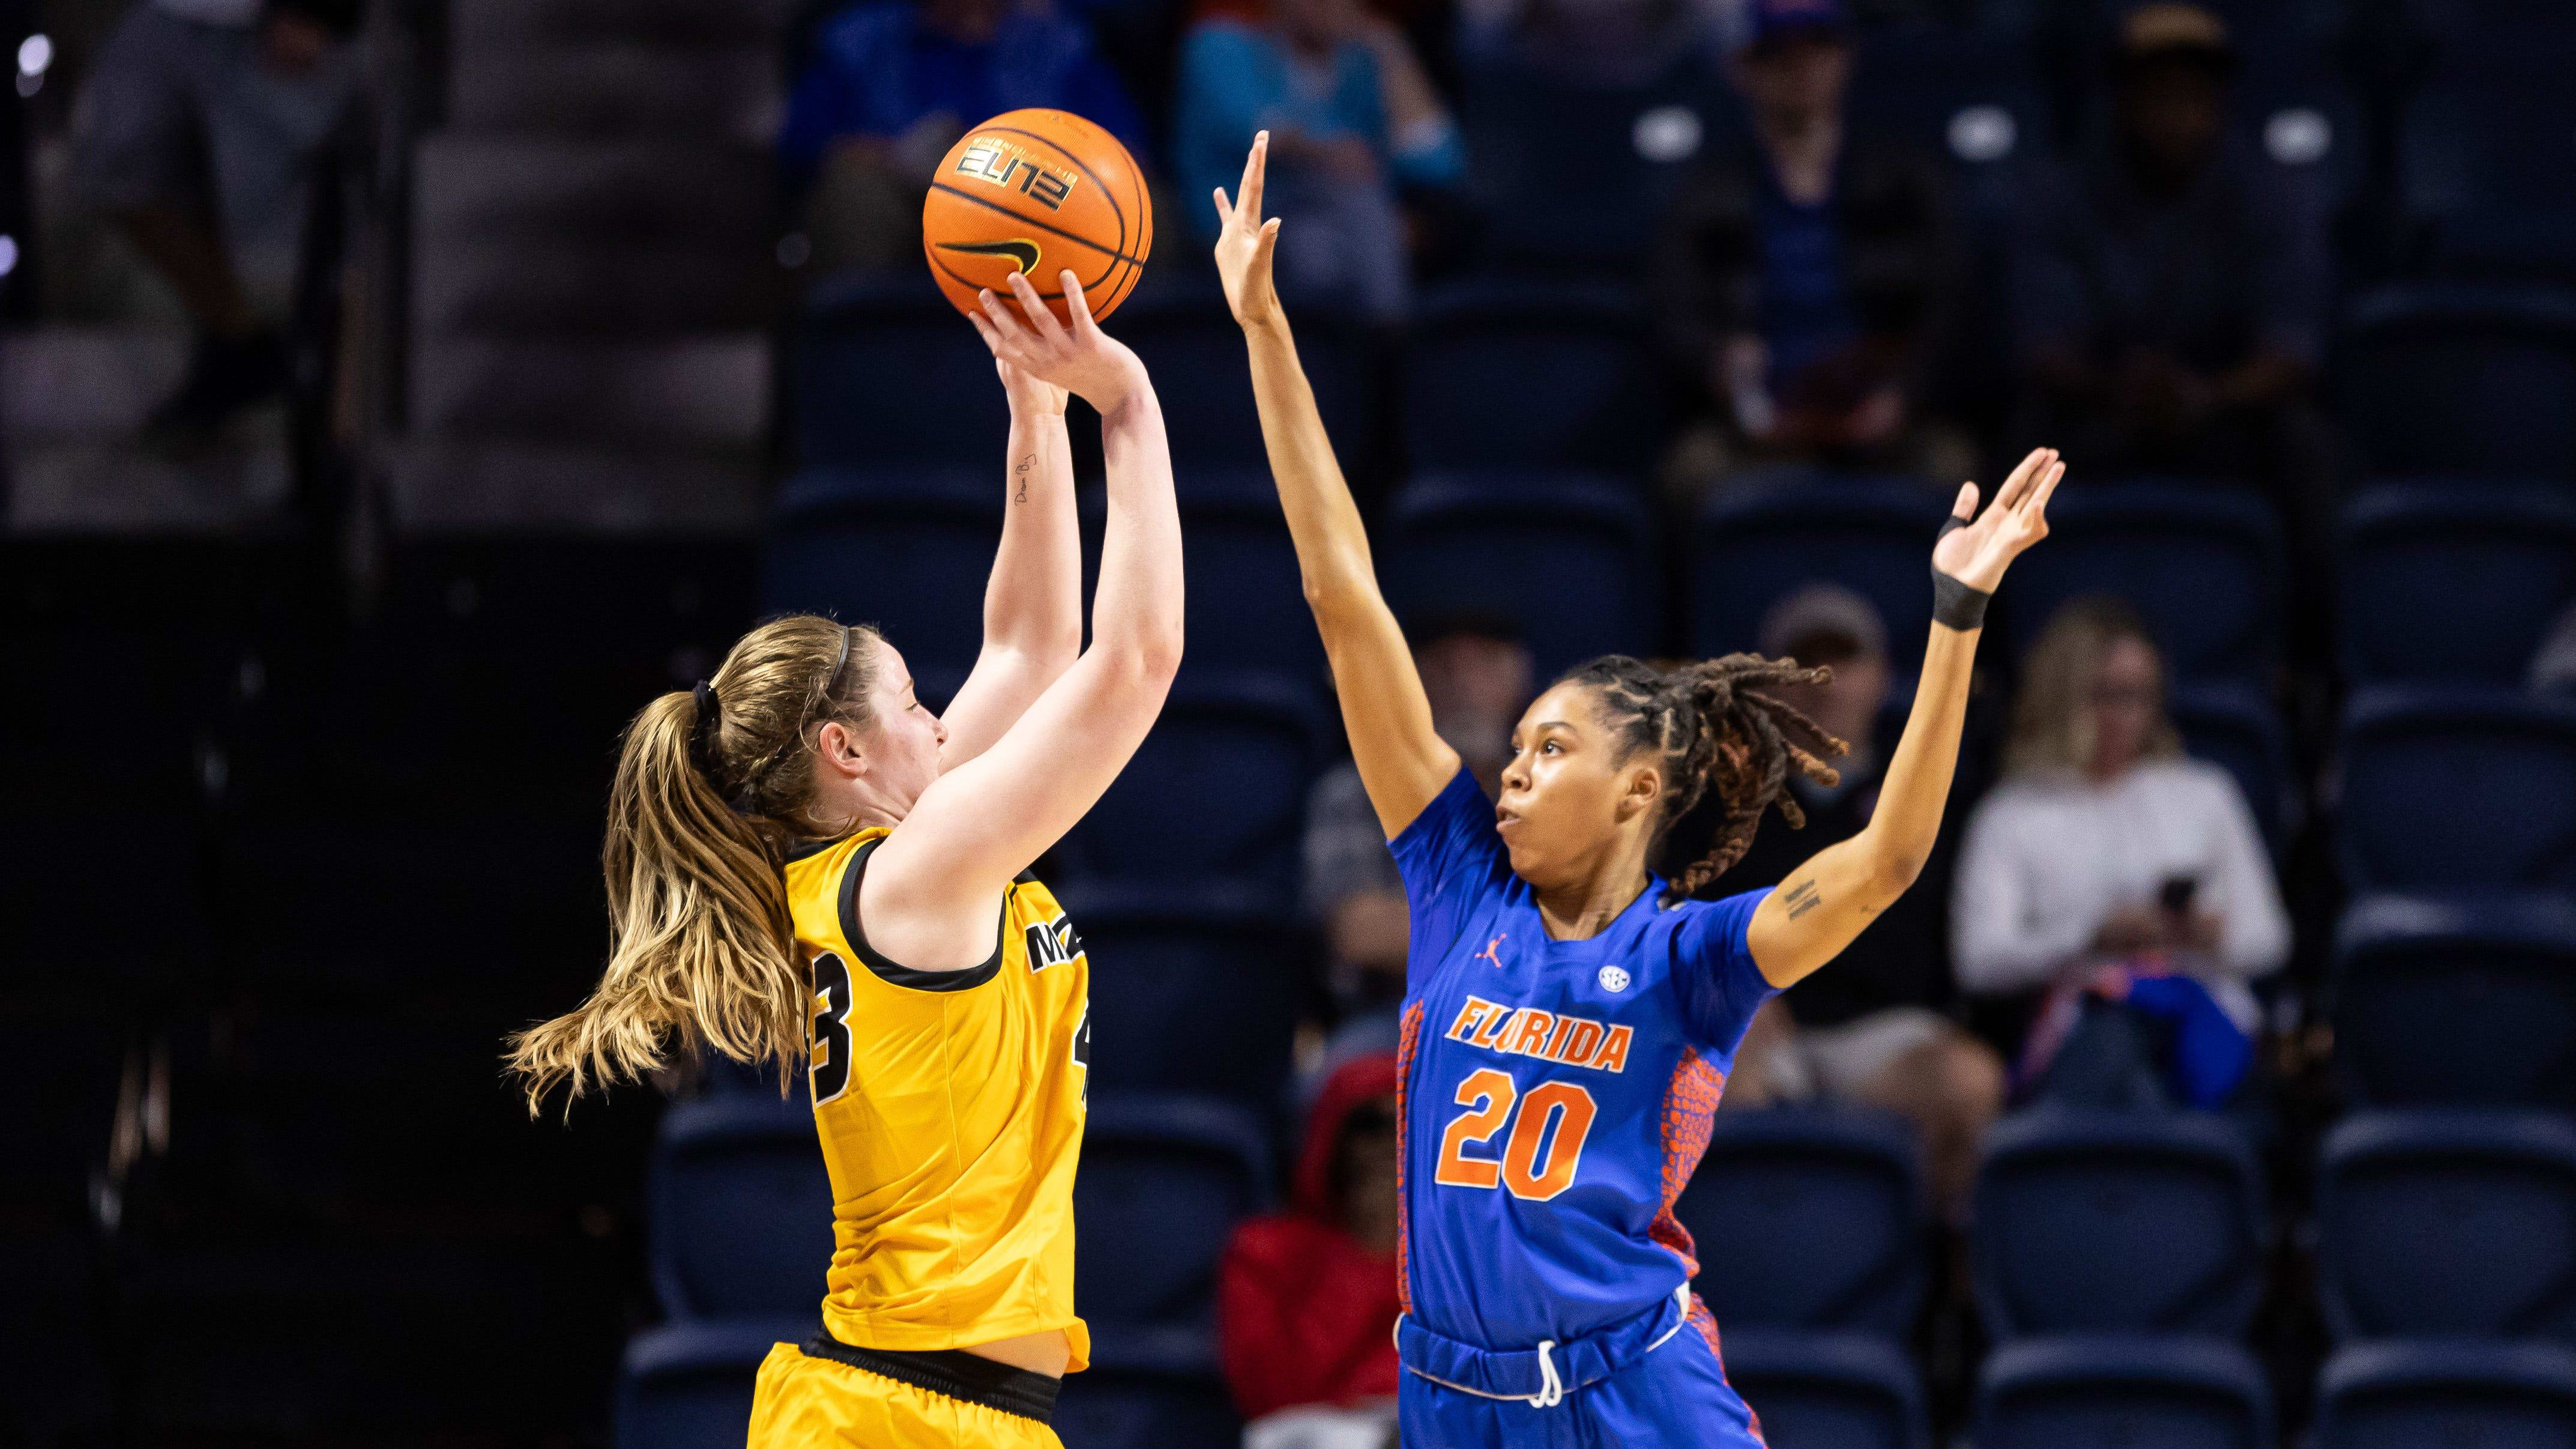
(950, 1105)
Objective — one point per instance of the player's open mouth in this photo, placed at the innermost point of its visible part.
(1505, 819)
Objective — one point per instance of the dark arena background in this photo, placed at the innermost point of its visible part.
(396, 395)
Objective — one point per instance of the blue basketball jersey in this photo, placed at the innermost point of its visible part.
(1556, 1094)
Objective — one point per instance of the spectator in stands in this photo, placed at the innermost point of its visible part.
(198, 135)
(1477, 673)
(894, 83)
(2109, 870)
(2171, 289)
(1352, 118)
(1802, 275)
(2553, 669)
(1874, 1029)
(1306, 1298)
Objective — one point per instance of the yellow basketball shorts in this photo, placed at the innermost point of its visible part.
(804, 1400)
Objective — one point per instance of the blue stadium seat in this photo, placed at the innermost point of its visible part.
(2485, 146)
(2293, 101)
(2236, 727)
(2457, 1003)
(1829, 1391)
(1107, 1407)
(2202, 565)
(2454, 581)
(885, 374)
(1571, 177)
(2453, 377)
(688, 1385)
(1963, 92)
(1570, 559)
(1215, 796)
(1191, 991)
(1164, 1179)
(907, 552)
(1751, 549)
(2123, 1393)
(2448, 1222)
(1806, 1220)
(1572, 358)
(2117, 1222)
(2407, 1395)
(741, 1209)
(1247, 602)
(2458, 789)
(1203, 377)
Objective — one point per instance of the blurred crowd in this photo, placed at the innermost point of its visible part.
(1819, 283)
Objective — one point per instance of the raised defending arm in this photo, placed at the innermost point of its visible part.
(1828, 901)
(1402, 760)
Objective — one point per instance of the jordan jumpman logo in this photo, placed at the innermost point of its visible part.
(1488, 953)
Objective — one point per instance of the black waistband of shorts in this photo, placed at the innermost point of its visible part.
(952, 1372)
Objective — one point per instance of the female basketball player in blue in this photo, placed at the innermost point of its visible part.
(1569, 1018)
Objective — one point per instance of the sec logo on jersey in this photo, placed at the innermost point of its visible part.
(1614, 978)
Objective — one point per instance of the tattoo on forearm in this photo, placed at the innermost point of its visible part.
(1021, 472)
(1802, 898)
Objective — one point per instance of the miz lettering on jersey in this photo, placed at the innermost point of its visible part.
(1527, 1031)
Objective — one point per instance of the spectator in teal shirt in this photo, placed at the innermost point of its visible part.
(1351, 118)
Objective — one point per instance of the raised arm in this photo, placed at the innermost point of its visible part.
(1033, 602)
(1825, 903)
(1401, 758)
(932, 892)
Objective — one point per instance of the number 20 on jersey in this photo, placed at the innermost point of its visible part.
(1545, 1143)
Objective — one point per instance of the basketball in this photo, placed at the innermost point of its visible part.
(1038, 191)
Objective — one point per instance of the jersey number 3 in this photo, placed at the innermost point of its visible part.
(1489, 1097)
(830, 1062)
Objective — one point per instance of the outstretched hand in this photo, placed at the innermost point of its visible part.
(1978, 553)
(1081, 359)
(1244, 242)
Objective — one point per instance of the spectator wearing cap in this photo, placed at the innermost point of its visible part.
(1808, 267)
(198, 135)
(2170, 290)
(1353, 121)
(1478, 675)
(1874, 1030)
(894, 83)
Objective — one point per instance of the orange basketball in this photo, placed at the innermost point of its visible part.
(1038, 191)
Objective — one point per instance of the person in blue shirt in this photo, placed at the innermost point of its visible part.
(1568, 1018)
(1353, 119)
(894, 83)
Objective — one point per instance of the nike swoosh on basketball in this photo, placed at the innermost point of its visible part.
(1025, 253)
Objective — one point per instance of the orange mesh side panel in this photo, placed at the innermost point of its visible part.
(1409, 1036)
(1690, 1110)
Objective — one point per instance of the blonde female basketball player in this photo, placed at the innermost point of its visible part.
(804, 864)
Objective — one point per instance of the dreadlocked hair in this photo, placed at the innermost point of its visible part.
(1720, 738)
(702, 952)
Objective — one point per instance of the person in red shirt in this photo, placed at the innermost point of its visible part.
(1306, 1298)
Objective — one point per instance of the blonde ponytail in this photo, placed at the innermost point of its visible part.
(702, 950)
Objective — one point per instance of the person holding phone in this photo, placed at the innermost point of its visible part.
(2108, 860)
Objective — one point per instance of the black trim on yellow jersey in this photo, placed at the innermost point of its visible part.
(894, 974)
(950, 1372)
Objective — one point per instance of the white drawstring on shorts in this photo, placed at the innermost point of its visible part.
(1551, 1388)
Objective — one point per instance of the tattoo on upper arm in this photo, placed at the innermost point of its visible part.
(1803, 897)
(1022, 473)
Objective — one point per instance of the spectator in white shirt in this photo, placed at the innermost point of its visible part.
(2105, 845)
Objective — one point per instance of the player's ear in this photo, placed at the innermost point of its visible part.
(1643, 792)
(837, 747)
